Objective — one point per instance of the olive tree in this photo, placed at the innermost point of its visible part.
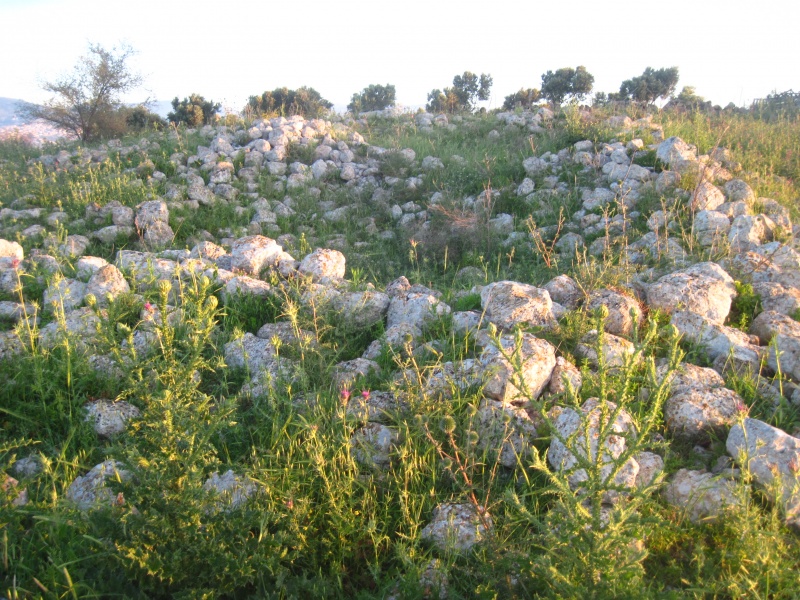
(374, 97)
(87, 101)
(194, 111)
(649, 86)
(566, 83)
(463, 96)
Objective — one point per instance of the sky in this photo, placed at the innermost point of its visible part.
(729, 51)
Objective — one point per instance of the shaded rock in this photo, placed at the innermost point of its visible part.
(650, 466)
(362, 309)
(773, 458)
(457, 526)
(374, 406)
(701, 495)
(750, 231)
(110, 418)
(564, 372)
(415, 308)
(229, 491)
(706, 196)
(79, 325)
(64, 295)
(507, 430)
(90, 491)
(782, 333)
(345, 374)
(615, 350)
(777, 298)
(572, 426)
(697, 412)
(372, 444)
(718, 341)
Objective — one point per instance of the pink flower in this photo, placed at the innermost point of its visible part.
(14, 263)
(365, 394)
(345, 395)
(148, 307)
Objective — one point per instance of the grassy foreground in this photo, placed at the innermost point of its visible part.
(323, 524)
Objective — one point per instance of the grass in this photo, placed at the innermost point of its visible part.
(324, 523)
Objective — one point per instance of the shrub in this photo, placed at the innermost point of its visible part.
(467, 90)
(374, 97)
(304, 101)
(139, 118)
(566, 83)
(523, 98)
(194, 111)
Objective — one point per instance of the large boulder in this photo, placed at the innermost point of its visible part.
(508, 303)
(516, 373)
(249, 255)
(718, 341)
(323, 265)
(674, 149)
(782, 333)
(773, 458)
(704, 289)
(107, 283)
(624, 312)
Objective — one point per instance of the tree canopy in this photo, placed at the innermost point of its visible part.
(194, 111)
(649, 86)
(374, 97)
(522, 98)
(467, 90)
(304, 101)
(566, 83)
(87, 101)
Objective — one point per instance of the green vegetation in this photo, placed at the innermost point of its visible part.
(194, 111)
(304, 101)
(649, 86)
(467, 90)
(566, 83)
(373, 97)
(322, 522)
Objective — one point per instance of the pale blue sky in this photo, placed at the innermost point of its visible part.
(732, 51)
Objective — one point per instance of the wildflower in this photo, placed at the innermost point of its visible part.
(149, 307)
(15, 263)
(365, 394)
(290, 504)
(345, 395)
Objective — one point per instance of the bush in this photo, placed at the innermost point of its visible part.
(374, 97)
(194, 111)
(139, 118)
(467, 90)
(304, 101)
(523, 98)
(566, 83)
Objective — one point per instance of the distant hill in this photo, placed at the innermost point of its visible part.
(8, 107)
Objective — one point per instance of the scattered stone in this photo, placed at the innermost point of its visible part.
(624, 312)
(705, 289)
(508, 303)
(457, 527)
(517, 372)
(615, 350)
(90, 491)
(110, 418)
(324, 266)
(372, 444)
(229, 492)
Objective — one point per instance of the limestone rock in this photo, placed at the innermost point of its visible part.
(623, 311)
(508, 303)
(701, 495)
(457, 526)
(705, 289)
(324, 265)
(110, 418)
(517, 373)
(773, 458)
(229, 491)
(615, 349)
(249, 255)
(107, 282)
(563, 455)
(718, 341)
(89, 491)
(504, 429)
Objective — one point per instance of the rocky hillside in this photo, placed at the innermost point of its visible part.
(400, 356)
